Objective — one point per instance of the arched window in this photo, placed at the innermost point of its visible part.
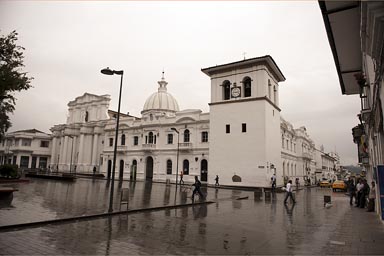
(123, 139)
(86, 116)
(186, 167)
(226, 90)
(274, 95)
(150, 138)
(186, 135)
(169, 166)
(247, 86)
(269, 89)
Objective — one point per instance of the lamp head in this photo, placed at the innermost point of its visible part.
(107, 71)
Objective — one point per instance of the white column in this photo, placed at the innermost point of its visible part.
(53, 149)
(65, 150)
(61, 150)
(81, 149)
(94, 149)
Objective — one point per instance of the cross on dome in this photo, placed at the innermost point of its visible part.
(162, 84)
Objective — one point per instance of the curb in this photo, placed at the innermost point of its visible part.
(14, 227)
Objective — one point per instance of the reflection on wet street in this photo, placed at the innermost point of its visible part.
(237, 223)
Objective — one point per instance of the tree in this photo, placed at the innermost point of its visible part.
(12, 78)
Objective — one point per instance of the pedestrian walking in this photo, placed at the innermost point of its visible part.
(94, 170)
(297, 183)
(351, 190)
(181, 177)
(372, 198)
(359, 186)
(197, 189)
(289, 192)
(273, 181)
(217, 181)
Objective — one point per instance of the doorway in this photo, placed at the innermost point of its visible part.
(149, 168)
(204, 170)
(121, 169)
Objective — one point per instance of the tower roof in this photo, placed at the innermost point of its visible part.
(267, 60)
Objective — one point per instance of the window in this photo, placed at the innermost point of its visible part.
(170, 139)
(110, 142)
(123, 139)
(244, 127)
(227, 128)
(274, 94)
(186, 167)
(135, 140)
(17, 142)
(226, 90)
(247, 86)
(86, 116)
(44, 144)
(204, 137)
(186, 135)
(282, 142)
(169, 167)
(26, 142)
(150, 138)
(24, 161)
(269, 89)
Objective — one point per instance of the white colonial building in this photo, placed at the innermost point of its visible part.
(26, 148)
(243, 138)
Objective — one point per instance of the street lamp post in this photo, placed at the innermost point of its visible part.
(177, 158)
(107, 71)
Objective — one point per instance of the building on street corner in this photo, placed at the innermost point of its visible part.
(355, 32)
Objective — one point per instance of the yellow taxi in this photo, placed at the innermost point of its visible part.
(339, 185)
(325, 184)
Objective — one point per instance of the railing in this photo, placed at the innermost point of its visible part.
(149, 146)
(185, 146)
(122, 148)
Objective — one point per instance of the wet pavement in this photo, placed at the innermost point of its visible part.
(228, 226)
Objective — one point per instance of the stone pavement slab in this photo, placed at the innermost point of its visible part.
(226, 227)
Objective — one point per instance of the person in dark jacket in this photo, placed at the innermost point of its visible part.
(197, 189)
(351, 190)
(364, 194)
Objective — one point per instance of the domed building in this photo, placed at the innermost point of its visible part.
(147, 147)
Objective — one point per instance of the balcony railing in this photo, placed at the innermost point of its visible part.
(185, 146)
(149, 146)
(122, 148)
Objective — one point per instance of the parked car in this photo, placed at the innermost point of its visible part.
(339, 185)
(325, 184)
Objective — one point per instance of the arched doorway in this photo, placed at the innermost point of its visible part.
(204, 170)
(149, 168)
(133, 170)
(121, 169)
(109, 169)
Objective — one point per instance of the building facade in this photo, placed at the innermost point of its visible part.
(355, 32)
(243, 139)
(29, 149)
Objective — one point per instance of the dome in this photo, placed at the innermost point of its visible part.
(161, 101)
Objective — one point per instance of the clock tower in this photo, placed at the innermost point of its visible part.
(245, 141)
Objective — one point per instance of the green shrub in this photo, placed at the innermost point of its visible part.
(8, 171)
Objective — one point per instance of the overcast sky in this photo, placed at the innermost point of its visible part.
(68, 43)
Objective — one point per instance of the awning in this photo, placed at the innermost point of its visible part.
(342, 23)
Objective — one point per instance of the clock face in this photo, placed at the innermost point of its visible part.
(235, 92)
